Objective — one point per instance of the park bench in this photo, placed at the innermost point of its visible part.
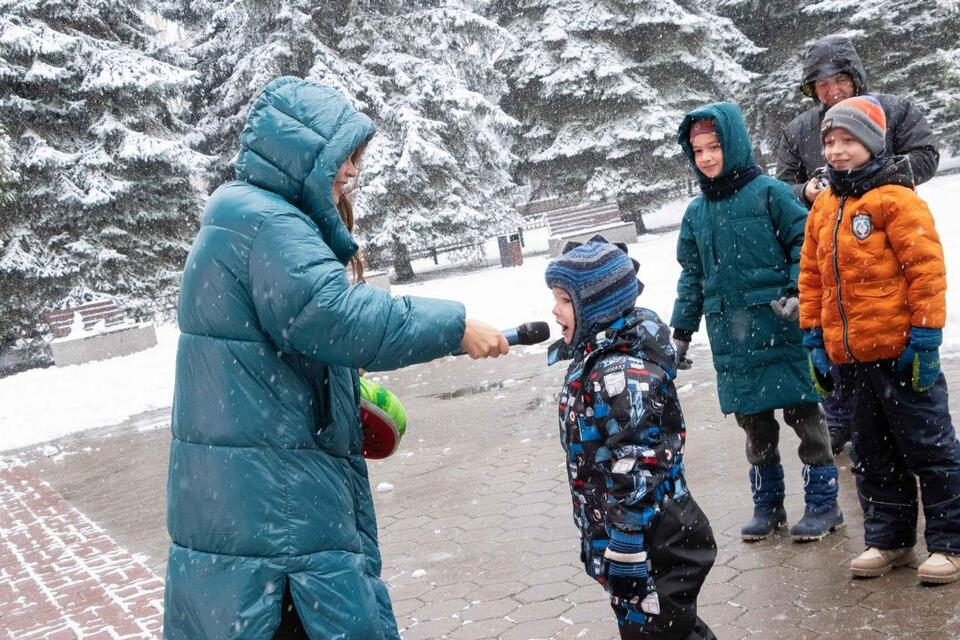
(532, 214)
(95, 331)
(580, 222)
(434, 251)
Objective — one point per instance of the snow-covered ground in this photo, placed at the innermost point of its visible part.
(507, 297)
(44, 404)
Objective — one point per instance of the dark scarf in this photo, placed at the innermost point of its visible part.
(727, 185)
(879, 171)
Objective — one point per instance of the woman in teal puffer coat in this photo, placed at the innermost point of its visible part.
(267, 494)
(739, 248)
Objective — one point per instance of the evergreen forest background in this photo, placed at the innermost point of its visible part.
(118, 118)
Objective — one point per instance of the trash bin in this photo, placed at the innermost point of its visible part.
(511, 252)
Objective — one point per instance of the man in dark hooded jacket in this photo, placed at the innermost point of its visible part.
(832, 71)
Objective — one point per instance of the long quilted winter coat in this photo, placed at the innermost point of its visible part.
(267, 488)
(738, 253)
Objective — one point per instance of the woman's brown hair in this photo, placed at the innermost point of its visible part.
(345, 207)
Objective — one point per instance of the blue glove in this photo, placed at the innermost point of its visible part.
(818, 361)
(921, 357)
(628, 577)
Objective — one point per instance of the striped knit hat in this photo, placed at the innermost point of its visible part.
(601, 280)
(863, 117)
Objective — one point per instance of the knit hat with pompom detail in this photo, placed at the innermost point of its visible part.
(601, 280)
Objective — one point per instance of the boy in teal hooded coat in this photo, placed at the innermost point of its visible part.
(739, 248)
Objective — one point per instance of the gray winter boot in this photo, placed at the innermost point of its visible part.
(766, 484)
(822, 515)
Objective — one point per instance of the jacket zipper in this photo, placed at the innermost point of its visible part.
(836, 275)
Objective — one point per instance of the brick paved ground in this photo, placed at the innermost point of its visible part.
(62, 576)
(476, 533)
(484, 510)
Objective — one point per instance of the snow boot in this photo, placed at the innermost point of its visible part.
(940, 568)
(822, 514)
(874, 562)
(766, 484)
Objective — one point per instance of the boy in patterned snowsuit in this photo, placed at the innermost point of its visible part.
(643, 537)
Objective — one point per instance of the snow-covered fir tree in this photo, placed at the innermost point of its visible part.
(238, 46)
(104, 204)
(7, 175)
(600, 88)
(437, 173)
(909, 48)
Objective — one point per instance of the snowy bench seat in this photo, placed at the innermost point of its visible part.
(95, 331)
(613, 232)
(582, 216)
(580, 222)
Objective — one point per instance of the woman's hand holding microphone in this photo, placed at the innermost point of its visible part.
(480, 340)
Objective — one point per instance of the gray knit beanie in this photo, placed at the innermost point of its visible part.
(862, 116)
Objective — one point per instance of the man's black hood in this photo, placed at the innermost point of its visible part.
(827, 57)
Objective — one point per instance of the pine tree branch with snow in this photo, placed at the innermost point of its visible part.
(105, 204)
(600, 88)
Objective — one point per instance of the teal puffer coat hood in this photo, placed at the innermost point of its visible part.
(738, 253)
(267, 488)
(732, 131)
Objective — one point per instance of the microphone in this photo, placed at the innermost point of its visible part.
(527, 333)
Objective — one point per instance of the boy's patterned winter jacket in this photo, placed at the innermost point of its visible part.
(871, 267)
(623, 432)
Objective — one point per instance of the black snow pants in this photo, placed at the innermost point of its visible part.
(899, 435)
(681, 551)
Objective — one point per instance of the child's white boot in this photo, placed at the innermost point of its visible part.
(874, 562)
(940, 568)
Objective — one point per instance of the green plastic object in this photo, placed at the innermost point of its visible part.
(383, 418)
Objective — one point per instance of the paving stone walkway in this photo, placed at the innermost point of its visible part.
(475, 525)
(62, 576)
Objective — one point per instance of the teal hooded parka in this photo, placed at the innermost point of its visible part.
(267, 488)
(738, 253)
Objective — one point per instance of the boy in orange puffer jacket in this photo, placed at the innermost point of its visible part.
(873, 299)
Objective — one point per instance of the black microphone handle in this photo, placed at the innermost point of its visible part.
(527, 333)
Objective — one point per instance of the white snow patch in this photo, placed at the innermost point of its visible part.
(942, 193)
(40, 405)
(667, 215)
